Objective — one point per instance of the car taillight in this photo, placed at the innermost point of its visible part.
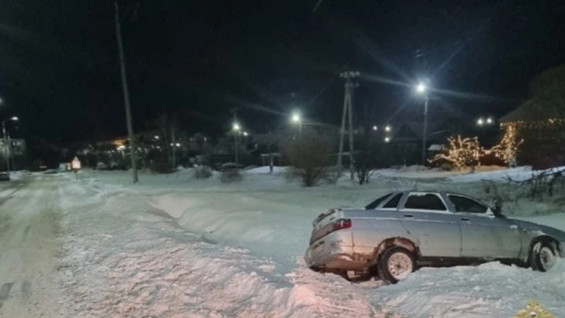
(341, 224)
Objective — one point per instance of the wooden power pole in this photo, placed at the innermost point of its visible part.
(347, 114)
(126, 95)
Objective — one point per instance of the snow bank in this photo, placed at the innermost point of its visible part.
(123, 258)
(174, 246)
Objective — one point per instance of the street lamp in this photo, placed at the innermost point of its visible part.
(6, 146)
(422, 89)
(295, 118)
(236, 128)
(487, 121)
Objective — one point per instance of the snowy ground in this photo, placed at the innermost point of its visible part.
(173, 246)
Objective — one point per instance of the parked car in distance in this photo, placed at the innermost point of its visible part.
(4, 176)
(401, 231)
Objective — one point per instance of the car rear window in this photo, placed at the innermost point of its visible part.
(378, 201)
(393, 202)
(426, 201)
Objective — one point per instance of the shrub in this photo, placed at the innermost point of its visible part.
(161, 164)
(309, 159)
(230, 176)
(202, 172)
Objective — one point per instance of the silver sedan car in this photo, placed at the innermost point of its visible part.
(401, 231)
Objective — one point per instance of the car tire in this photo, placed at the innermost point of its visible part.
(395, 264)
(542, 256)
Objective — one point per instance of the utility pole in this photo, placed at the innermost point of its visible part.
(347, 113)
(126, 95)
(425, 132)
(236, 129)
(174, 147)
(6, 153)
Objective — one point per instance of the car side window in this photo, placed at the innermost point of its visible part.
(424, 201)
(393, 203)
(463, 204)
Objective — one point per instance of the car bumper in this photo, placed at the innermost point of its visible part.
(332, 253)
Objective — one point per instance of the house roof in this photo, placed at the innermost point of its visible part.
(536, 109)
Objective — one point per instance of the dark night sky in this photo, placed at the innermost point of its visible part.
(197, 59)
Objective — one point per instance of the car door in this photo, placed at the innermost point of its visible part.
(430, 224)
(482, 234)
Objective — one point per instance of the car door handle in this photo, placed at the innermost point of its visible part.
(408, 216)
(464, 219)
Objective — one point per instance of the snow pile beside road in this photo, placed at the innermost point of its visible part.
(126, 259)
(488, 290)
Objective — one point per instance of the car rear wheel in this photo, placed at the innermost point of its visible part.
(542, 257)
(396, 264)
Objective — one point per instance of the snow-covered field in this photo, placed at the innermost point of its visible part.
(174, 246)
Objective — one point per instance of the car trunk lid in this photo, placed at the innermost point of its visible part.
(324, 223)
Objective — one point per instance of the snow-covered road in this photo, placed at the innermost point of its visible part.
(29, 227)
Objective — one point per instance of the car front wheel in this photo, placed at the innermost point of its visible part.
(396, 264)
(542, 257)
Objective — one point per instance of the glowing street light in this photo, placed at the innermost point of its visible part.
(421, 88)
(245, 133)
(296, 117)
(486, 121)
(236, 127)
(387, 128)
(387, 139)
(375, 128)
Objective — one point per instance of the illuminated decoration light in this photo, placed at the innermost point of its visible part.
(489, 120)
(507, 148)
(178, 144)
(387, 128)
(121, 147)
(236, 127)
(387, 139)
(375, 127)
(480, 122)
(461, 152)
(245, 133)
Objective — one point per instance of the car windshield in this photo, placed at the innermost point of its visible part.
(378, 201)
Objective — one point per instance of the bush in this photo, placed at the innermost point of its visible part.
(202, 172)
(230, 176)
(309, 159)
(161, 164)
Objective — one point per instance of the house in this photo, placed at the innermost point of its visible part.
(540, 121)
